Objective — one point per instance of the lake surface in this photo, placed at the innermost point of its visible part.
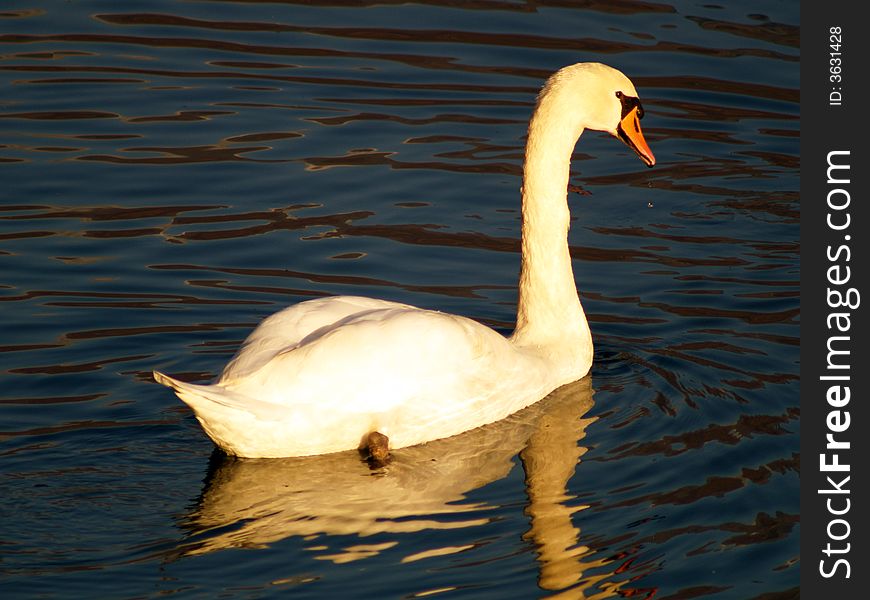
(173, 172)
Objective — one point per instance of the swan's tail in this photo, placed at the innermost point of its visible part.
(216, 402)
(215, 408)
(196, 396)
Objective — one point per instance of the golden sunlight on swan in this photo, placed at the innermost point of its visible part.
(324, 375)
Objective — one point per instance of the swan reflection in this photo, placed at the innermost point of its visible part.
(255, 502)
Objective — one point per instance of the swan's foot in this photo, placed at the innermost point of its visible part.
(376, 449)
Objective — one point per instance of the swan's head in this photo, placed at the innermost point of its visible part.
(595, 96)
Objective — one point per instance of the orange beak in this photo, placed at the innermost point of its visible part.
(629, 132)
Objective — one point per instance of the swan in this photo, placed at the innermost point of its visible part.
(326, 375)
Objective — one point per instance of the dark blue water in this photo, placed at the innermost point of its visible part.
(172, 172)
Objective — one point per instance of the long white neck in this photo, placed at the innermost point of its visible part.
(549, 314)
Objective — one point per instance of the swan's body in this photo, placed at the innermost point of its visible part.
(322, 375)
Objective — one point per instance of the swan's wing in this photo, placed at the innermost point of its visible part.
(287, 328)
(398, 360)
(413, 374)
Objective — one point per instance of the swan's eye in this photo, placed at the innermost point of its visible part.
(628, 103)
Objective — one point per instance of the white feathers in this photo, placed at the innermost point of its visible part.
(318, 377)
(409, 373)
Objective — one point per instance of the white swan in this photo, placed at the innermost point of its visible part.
(323, 375)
